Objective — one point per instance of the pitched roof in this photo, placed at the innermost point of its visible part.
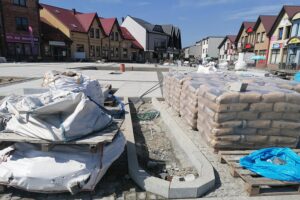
(77, 21)
(231, 38)
(267, 21)
(107, 24)
(289, 10)
(244, 26)
(126, 34)
(149, 27)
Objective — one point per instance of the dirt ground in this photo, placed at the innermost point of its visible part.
(156, 151)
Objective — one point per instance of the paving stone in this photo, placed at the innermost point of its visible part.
(141, 195)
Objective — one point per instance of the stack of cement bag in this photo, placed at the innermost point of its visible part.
(263, 116)
(69, 110)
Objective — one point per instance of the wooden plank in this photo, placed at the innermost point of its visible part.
(262, 181)
(105, 136)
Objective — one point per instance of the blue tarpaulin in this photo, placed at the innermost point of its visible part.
(297, 77)
(276, 163)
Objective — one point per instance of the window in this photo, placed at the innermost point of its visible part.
(19, 2)
(117, 53)
(296, 30)
(287, 32)
(111, 52)
(22, 24)
(92, 52)
(112, 36)
(92, 33)
(80, 48)
(275, 54)
(257, 37)
(280, 33)
(98, 51)
(262, 37)
(98, 33)
(117, 36)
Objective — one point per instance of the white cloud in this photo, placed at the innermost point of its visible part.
(253, 13)
(200, 3)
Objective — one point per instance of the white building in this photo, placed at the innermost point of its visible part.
(227, 49)
(158, 41)
(210, 46)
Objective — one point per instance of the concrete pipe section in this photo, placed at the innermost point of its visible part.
(174, 189)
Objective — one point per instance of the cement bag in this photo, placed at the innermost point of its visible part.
(223, 65)
(64, 168)
(59, 116)
(240, 66)
(276, 163)
(74, 82)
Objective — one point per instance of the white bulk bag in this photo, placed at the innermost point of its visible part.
(74, 82)
(64, 168)
(54, 116)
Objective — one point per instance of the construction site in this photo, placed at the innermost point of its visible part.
(147, 131)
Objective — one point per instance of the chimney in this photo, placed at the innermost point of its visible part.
(74, 11)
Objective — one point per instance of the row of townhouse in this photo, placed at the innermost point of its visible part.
(30, 30)
(276, 38)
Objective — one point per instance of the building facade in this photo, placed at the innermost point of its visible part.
(262, 41)
(20, 29)
(245, 38)
(227, 49)
(157, 44)
(279, 36)
(209, 47)
(293, 58)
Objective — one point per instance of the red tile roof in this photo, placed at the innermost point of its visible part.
(108, 24)
(244, 26)
(267, 21)
(248, 25)
(231, 38)
(126, 34)
(291, 10)
(78, 22)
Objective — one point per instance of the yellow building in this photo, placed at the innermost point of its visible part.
(84, 29)
(279, 37)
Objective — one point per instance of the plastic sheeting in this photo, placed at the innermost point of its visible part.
(276, 163)
(54, 116)
(64, 168)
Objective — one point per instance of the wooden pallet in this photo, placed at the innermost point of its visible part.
(255, 184)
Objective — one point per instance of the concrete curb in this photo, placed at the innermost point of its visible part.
(174, 189)
(206, 180)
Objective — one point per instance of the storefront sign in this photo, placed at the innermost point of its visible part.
(10, 37)
(294, 41)
(248, 46)
(57, 43)
(277, 46)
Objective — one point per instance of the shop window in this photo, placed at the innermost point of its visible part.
(19, 2)
(262, 37)
(280, 33)
(80, 48)
(92, 52)
(92, 33)
(275, 56)
(98, 51)
(98, 33)
(22, 24)
(117, 36)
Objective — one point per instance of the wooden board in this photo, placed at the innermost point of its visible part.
(105, 136)
(255, 184)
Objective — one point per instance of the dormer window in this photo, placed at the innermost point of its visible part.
(92, 33)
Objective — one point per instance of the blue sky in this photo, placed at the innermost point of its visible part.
(196, 18)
